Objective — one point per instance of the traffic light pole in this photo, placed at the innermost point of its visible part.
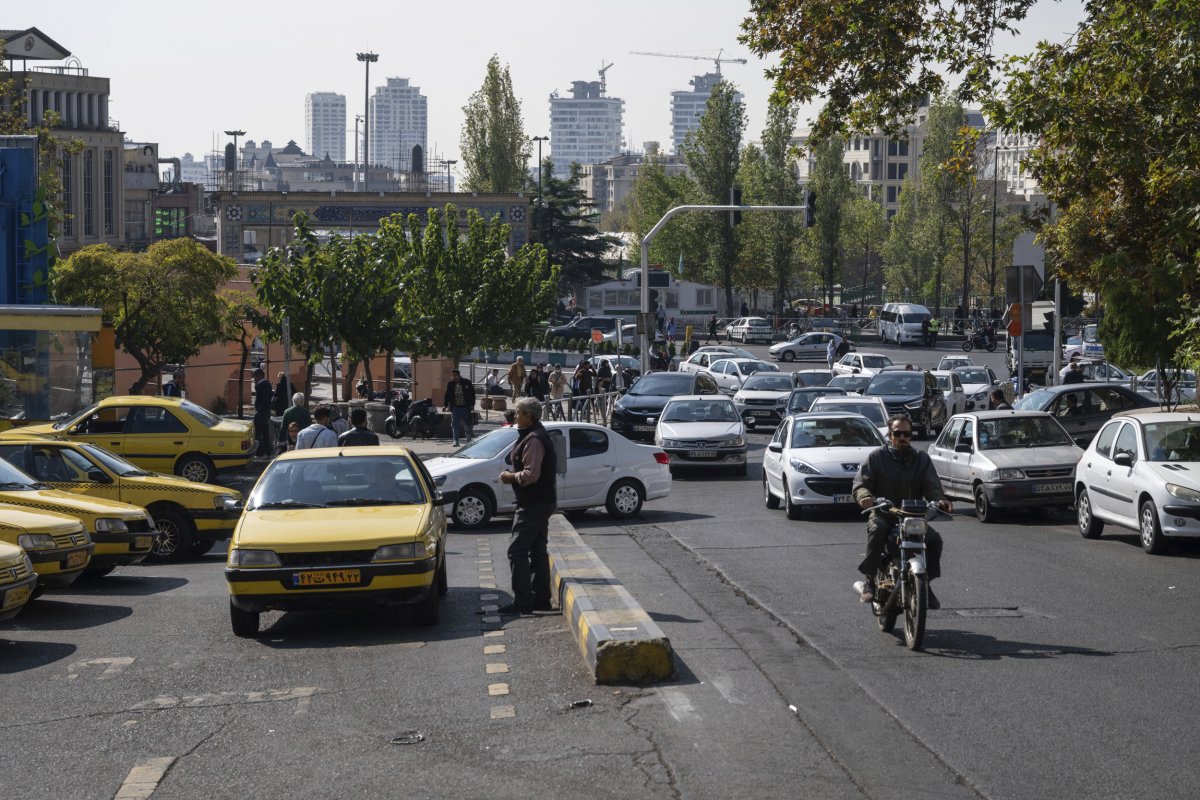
(649, 237)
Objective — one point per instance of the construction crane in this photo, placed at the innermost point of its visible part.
(717, 61)
(603, 69)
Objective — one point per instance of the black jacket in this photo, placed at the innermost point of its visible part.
(262, 396)
(468, 393)
(543, 490)
(358, 437)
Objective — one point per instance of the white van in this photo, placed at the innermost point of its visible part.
(901, 322)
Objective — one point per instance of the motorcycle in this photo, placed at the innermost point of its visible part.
(901, 584)
(422, 419)
(979, 339)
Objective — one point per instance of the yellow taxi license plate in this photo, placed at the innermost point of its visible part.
(142, 542)
(77, 559)
(14, 597)
(327, 577)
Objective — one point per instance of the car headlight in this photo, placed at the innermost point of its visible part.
(670, 443)
(1183, 492)
(221, 502)
(111, 525)
(1008, 475)
(400, 552)
(36, 541)
(253, 558)
(734, 441)
(28, 564)
(800, 466)
(914, 406)
(439, 480)
(978, 396)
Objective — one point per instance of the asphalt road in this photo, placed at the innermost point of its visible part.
(1057, 667)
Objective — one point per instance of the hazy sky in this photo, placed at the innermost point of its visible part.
(182, 72)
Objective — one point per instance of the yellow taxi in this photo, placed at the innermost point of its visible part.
(17, 580)
(57, 545)
(336, 527)
(122, 533)
(188, 517)
(163, 434)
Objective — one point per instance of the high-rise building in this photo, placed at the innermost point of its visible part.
(399, 122)
(325, 124)
(687, 106)
(585, 128)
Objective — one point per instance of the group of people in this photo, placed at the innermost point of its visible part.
(545, 382)
(323, 429)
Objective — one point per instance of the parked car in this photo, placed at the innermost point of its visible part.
(749, 329)
(914, 394)
(705, 356)
(582, 327)
(1142, 472)
(730, 373)
(1103, 372)
(807, 347)
(762, 398)
(58, 547)
(17, 580)
(870, 407)
(1184, 387)
(952, 390)
(339, 527)
(635, 416)
(596, 467)
(851, 384)
(977, 384)
(811, 377)
(812, 460)
(1005, 459)
(702, 431)
(1086, 345)
(861, 364)
(163, 434)
(1083, 408)
(801, 400)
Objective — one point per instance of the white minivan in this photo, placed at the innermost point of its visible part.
(901, 322)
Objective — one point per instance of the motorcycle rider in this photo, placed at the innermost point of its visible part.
(897, 472)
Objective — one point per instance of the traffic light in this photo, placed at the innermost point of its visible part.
(654, 300)
(810, 209)
(736, 196)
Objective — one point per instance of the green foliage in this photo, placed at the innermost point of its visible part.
(566, 226)
(495, 149)
(163, 302)
(560, 344)
(835, 192)
(654, 193)
(864, 232)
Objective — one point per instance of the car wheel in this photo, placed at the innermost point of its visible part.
(790, 509)
(625, 499)
(443, 579)
(473, 508)
(983, 508)
(173, 542)
(244, 623)
(769, 500)
(787, 355)
(196, 468)
(1089, 526)
(1153, 541)
(200, 547)
(427, 610)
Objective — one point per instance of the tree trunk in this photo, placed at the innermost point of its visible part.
(242, 380)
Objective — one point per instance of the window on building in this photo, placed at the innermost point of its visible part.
(135, 221)
(704, 298)
(901, 171)
(68, 196)
(89, 193)
(170, 223)
(891, 213)
(891, 194)
(110, 227)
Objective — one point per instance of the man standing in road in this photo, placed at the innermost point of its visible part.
(999, 401)
(319, 434)
(516, 377)
(460, 399)
(935, 327)
(262, 412)
(359, 434)
(831, 351)
(1074, 374)
(533, 476)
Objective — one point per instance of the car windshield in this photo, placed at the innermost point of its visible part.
(1010, 432)
(374, 480)
(834, 433)
(71, 419)
(1091, 333)
(876, 362)
(750, 367)
(1036, 401)
(699, 411)
(1173, 441)
(489, 446)
(943, 382)
(893, 383)
(113, 462)
(663, 384)
(973, 376)
(851, 383)
(13, 478)
(811, 378)
(768, 383)
(201, 415)
(802, 399)
(871, 411)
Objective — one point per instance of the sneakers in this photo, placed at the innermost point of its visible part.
(514, 610)
(868, 592)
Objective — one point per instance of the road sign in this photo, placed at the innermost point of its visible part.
(1027, 251)
(597, 335)
(1021, 285)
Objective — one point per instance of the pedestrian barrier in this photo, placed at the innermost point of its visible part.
(596, 408)
(618, 639)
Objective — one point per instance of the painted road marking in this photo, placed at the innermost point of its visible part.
(488, 585)
(144, 778)
(503, 712)
(225, 699)
(493, 649)
(491, 619)
(112, 667)
(490, 634)
(678, 704)
(489, 597)
(496, 668)
(497, 689)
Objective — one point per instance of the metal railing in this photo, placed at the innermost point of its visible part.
(595, 408)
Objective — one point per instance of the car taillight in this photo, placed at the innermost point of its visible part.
(245, 444)
(662, 458)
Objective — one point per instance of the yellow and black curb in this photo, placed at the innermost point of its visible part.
(618, 639)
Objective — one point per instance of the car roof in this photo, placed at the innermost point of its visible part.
(1149, 415)
(872, 353)
(811, 371)
(345, 452)
(852, 399)
(1067, 387)
(813, 389)
(140, 400)
(1000, 413)
(710, 397)
(828, 415)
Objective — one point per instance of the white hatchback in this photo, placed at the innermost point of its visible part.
(812, 460)
(596, 467)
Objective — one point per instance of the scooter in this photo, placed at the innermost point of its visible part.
(397, 423)
(422, 419)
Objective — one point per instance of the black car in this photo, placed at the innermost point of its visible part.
(635, 415)
(581, 327)
(800, 400)
(914, 393)
(1081, 408)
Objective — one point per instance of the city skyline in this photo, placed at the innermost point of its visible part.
(258, 84)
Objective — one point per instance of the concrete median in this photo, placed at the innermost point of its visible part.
(618, 639)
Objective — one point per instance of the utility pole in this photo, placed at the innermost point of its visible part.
(368, 59)
(354, 181)
(540, 202)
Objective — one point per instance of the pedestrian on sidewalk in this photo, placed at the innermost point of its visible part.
(283, 392)
(532, 477)
(297, 412)
(262, 413)
(558, 385)
(516, 377)
(319, 434)
(459, 399)
(359, 434)
(671, 329)
(171, 387)
(533, 384)
(712, 329)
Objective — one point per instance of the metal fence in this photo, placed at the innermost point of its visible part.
(596, 408)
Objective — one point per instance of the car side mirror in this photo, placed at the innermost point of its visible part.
(775, 447)
(445, 498)
(964, 447)
(98, 476)
(1123, 460)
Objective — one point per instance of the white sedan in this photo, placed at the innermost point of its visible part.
(763, 398)
(1142, 471)
(705, 356)
(702, 431)
(872, 408)
(977, 384)
(813, 458)
(861, 364)
(596, 467)
(952, 390)
(749, 329)
(807, 347)
(730, 373)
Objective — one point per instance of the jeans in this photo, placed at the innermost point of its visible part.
(262, 432)
(460, 422)
(878, 527)
(527, 557)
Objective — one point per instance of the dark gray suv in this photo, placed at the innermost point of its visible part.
(914, 393)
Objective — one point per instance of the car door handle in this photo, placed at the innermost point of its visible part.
(178, 444)
(1109, 473)
(116, 443)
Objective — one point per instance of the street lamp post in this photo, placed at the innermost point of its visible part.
(368, 59)
(449, 163)
(540, 202)
(354, 175)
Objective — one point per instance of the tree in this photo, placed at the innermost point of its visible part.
(495, 149)
(163, 303)
(566, 226)
(712, 152)
(834, 192)
(654, 193)
(905, 253)
(239, 320)
(864, 231)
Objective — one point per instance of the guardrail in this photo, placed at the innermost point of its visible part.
(596, 408)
